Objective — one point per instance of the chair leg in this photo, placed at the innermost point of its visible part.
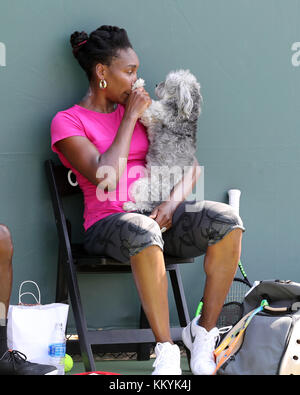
(80, 320)
(143, 349)
(179, 296)
(61, 281)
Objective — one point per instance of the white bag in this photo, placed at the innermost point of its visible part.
(30, 328)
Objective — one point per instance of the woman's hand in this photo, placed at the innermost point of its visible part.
(163, 214)
(138, 101)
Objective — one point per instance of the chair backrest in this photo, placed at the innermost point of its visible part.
(61, 183)
(63, 178)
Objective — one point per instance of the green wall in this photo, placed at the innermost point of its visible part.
(240, 51)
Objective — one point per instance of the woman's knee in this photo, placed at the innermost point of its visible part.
(143, 232)
(235, 218)
(6, 245)
(221, 220)
(226, 251)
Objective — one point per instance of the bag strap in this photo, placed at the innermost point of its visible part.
(277, 310)
(38, 301)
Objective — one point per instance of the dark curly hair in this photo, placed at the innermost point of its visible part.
(98, 47)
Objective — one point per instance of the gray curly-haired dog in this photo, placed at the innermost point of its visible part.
(171, 124)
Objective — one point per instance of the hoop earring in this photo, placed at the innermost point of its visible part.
(102, 84)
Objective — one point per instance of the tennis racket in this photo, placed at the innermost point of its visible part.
(2, 314)
(233, 305)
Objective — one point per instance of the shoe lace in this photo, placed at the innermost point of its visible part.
(225, 329)
(222, 331)
(209, 341)
(14, 356)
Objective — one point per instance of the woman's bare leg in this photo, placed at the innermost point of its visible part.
(220, 265)
(6, 253)
(150, 277)
(149, 272)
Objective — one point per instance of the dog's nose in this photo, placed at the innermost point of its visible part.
(156, 86)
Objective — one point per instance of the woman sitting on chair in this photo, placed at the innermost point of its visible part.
(102, 133)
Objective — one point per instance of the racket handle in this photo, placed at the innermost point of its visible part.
(242, 270)
(2, 314)
(234, 199)
(199, 308)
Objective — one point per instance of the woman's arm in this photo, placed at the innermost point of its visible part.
(163, 213)
(106, 169)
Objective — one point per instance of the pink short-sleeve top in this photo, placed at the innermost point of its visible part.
(101, 129)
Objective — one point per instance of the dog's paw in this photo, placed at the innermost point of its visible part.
(129, 206)
(139, 83)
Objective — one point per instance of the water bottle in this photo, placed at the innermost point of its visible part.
(57, 349)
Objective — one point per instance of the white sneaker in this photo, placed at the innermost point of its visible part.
(167, 360)
(201, 345)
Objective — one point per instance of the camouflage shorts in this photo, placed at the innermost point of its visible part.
(195, 226)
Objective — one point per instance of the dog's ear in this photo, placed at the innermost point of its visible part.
(185, 100)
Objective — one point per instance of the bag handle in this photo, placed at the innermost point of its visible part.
(294, 307)
(38, 301)
(276, 309)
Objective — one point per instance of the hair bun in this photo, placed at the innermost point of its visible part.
(77, 38)
(100, 46)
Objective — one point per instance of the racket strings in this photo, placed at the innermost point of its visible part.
(237, 291)
(232, 310)
(230, 314)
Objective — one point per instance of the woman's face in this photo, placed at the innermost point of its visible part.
(121, 75)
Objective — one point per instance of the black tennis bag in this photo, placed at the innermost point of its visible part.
(271, 342)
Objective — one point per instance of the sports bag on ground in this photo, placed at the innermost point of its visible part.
(266, 341)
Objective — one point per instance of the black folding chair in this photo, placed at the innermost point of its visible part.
(73, 259)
